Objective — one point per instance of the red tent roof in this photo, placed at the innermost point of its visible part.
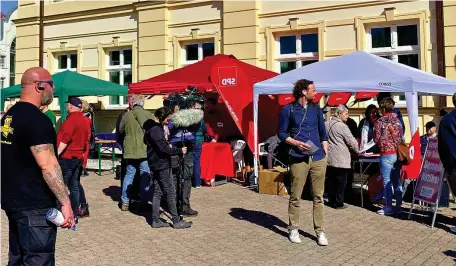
(197, 75)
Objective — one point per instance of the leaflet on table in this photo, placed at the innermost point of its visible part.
(367, 147)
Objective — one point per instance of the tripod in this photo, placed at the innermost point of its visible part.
(179, 180)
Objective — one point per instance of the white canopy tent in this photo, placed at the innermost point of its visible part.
(355, 72)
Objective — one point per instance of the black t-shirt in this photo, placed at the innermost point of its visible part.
(23, 185)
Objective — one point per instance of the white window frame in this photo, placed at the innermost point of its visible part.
(298, 57)
(394, 51)
(200, 52)
(57, 58)
(121, 68)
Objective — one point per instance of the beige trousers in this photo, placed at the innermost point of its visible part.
(299, 173)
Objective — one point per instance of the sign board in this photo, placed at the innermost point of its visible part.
(430, 180)
(431, 177)
(228, 76)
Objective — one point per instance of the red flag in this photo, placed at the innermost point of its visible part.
(412, 171)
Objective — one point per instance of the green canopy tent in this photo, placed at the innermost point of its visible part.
(69, 84)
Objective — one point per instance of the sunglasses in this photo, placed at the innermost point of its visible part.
(50, 82)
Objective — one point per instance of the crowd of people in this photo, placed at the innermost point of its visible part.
(165, 147)
(325, 149)
(41, 168)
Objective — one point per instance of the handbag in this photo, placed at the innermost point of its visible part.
(403, 153)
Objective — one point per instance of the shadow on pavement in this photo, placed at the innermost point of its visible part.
(425, 217)
(114, 192)
(450, 253)
(265, 220)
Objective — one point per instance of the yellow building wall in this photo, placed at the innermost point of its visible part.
(157, 31)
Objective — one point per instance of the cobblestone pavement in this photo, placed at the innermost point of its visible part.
(239, 227)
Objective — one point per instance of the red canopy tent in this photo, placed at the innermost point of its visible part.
(233, 80)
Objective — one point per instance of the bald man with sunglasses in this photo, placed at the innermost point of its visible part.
(32, 181)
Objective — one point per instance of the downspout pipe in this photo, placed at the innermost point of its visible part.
(41, 45)
(440, 27)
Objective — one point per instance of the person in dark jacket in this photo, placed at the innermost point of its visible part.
(120, 137)
(447, 150)
(159, 154)
(431, 129)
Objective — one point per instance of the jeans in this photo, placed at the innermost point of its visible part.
(337, 178)
(144, 172)
(299, 172)
(82, 197)
(70, 171)
(197, 163)
(182, 171)
(31, 238)
(163, 183)
(390, 169)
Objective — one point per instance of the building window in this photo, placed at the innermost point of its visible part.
(118, 70)
(399, 43)
(67, 62)
(12, 63)
(295, 51)
(194, 52)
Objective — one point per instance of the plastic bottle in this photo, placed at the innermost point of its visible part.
(56, 217)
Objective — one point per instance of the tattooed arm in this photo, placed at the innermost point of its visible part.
(45, 157)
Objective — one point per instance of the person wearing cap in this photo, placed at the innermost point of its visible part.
(431, 132)
(72, 142)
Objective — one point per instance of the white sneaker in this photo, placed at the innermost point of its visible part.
(453, 229)
(322, 240)
(294, 236)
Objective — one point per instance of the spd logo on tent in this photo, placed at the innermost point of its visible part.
(227, 76)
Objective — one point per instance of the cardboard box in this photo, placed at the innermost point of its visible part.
(271, 182)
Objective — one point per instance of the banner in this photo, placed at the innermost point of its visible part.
(412, 171)
(431, 177)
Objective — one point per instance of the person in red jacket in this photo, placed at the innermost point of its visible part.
(72, 142)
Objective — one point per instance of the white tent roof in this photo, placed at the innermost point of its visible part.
(359, 71)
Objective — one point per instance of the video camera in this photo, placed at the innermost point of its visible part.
(184, 100)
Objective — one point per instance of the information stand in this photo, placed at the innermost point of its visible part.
(429, 183)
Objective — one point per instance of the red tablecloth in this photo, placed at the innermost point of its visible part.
(216, 159)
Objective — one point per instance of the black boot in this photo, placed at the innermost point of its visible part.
(84, 210)
(189, 212)
(84, 172)
(159, 224)
(182, 225)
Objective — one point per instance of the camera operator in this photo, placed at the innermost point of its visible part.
(183, 127)
(159, 155)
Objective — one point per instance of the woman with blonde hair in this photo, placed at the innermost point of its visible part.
(340, 143)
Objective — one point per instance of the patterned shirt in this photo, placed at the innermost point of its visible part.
(388, 133)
